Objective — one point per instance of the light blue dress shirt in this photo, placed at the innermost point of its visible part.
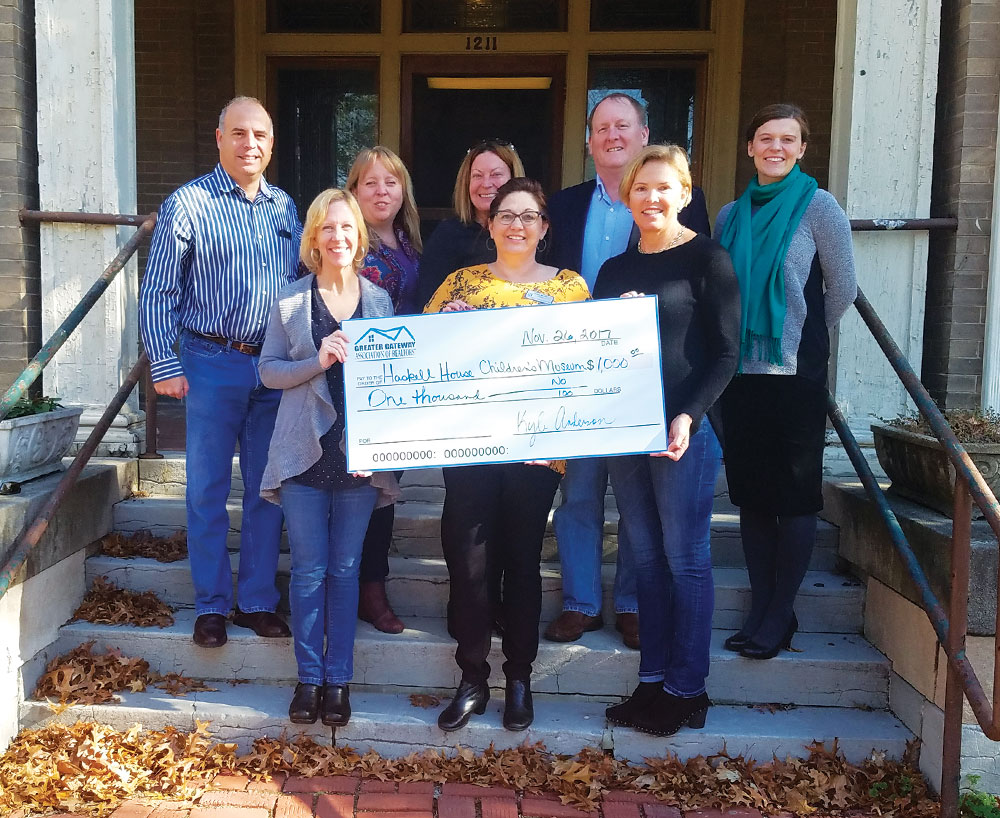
(606, 233)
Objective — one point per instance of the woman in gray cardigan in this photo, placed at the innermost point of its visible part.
(306, 472)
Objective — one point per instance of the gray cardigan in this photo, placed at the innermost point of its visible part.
(824, 232)
(289, 361)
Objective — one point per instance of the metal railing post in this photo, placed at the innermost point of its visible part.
(961, 554)
(151, 431)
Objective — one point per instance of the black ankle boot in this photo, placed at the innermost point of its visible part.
(670, 713)
(336, 705)
(304, 708)
(471, 697)
(641, 700)
(518, 710)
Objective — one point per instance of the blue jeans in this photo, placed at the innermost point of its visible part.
(666, 507)
(579, 527)
(326, 530)
(226, 403)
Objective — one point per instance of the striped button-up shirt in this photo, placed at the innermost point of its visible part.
(216, 263)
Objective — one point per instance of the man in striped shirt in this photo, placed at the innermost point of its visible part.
(224, 245)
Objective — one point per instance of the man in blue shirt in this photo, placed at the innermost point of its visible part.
(224, 245)
(590, 224)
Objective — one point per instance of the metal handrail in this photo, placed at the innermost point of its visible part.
(33, 533)
(951, 629)
(33, 370)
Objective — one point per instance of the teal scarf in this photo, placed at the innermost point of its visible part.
(758, 242)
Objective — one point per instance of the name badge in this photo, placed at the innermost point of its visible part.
(539, 298)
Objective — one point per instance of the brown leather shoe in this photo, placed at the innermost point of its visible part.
(262, 623)
(571, 625)
(373, 606)
(210, 631)
(627, 624)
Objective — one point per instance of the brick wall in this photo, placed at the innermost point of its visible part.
(788, 56)
(20, 298)
(964, 159)
(184, 55)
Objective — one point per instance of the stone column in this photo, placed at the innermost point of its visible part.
(880, 167)
(86, 162)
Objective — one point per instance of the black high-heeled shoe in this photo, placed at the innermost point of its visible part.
(737, 641)
(304, 708)
(752, 650)
(670, 713)
(336, 710)
(471, 697)
(518, 710)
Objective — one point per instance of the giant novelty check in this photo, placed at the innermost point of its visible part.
(516, 384)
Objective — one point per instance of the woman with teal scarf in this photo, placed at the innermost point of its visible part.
(791, 248)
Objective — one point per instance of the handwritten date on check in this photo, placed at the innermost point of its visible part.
(504, 385)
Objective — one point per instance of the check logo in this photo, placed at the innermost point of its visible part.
(387, 335)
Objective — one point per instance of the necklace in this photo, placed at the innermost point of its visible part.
(673, 241)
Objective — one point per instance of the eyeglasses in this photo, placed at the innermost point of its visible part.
(528, 217)
(490, 143)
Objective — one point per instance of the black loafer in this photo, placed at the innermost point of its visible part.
(210, 631)
(336, 707)
(469, 698)
(304, 708)
(518, 710)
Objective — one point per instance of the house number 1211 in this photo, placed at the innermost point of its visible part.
(480, 43)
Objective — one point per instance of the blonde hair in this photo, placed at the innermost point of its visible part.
(407, 219)
(460, 198)
(308, 251)
(673, 155)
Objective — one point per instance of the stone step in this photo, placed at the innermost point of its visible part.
(418, 587)
(391, 725)
(835, 670)
(417, 530)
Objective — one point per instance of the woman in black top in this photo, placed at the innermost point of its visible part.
(665, 499)
(463, 241)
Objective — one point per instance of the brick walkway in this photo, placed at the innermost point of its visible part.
(350, 797)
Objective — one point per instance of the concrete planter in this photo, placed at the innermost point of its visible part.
(921, 471)
(33, 445)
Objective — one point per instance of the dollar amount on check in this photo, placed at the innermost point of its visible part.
(505, 385)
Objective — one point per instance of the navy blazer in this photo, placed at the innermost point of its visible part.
(568, 219)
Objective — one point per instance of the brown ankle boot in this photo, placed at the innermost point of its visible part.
(373, 606)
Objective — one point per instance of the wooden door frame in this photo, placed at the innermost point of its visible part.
(543, 65)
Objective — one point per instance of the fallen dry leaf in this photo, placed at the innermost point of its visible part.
(84, 677)
(90, 768)
(145, 544)
(106, 604)
(424, 700)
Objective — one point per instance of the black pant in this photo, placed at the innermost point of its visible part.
(378, 539)
(494, 520)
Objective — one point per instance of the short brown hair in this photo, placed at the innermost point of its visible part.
(520, 184)
(779, 110)
(308, 251)
(504, 151)
(673, 155)
(407, 220)
(638, 107)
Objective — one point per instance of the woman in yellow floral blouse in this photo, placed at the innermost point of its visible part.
(494, 515)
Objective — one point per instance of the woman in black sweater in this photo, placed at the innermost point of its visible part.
(464, 241)
(665, 499)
